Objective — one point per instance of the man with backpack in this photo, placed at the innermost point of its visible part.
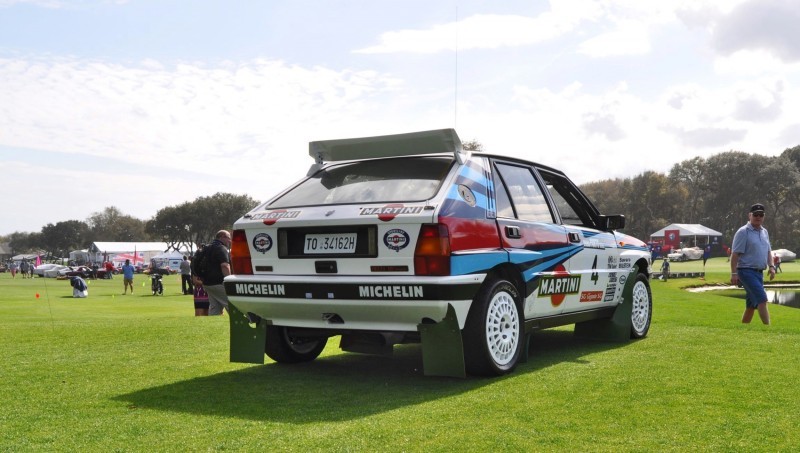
(211, 265)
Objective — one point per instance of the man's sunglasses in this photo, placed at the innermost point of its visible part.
(758, 214)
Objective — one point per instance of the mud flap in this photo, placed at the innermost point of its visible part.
(618, 327)
(527, 339)
(442, 348)
(247, 342)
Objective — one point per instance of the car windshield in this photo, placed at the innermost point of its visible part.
(371, 181)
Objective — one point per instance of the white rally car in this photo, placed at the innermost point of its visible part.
(407, 239)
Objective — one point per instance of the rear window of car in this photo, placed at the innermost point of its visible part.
(372, 181)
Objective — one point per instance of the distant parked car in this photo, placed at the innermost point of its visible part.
(686, 254)
(48, 270)
(81, 271)
(785, 255)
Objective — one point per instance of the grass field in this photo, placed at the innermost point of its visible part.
(141, 373)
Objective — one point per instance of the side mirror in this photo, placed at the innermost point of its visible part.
(612, 222)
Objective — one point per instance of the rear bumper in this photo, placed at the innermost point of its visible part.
(385, 304)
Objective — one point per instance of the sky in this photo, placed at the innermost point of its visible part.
(144, 104)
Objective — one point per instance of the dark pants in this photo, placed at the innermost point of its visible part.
(186, 284)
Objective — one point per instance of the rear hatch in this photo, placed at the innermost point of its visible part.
(352, 218)
(336, 240)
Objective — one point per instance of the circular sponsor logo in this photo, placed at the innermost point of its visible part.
(467, 195)
(396, 239)
(262, 242)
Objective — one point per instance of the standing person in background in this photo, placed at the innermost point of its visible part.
(13, 269)
(186, 276)
(127, 276)
(665, 269)
(751, 254)
(23, 268)
(215, 267)
(776, 260)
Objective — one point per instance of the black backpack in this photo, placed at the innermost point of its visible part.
(200, 261)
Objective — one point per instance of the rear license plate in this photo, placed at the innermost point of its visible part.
(330, 243)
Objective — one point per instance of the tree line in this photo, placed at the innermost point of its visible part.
(715, 192)
(184, 226)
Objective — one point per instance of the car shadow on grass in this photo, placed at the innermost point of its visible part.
(343, 386)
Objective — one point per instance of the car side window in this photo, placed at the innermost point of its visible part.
(504, 208)
(569, 200)
(526, 196)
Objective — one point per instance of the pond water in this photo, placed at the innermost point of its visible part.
(788, 297)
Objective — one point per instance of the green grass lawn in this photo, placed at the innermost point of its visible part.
(141, 373)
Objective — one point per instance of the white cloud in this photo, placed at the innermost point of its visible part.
(177, 114)
(626, 39)
(749, 63)
(490, 31)
(770, 25)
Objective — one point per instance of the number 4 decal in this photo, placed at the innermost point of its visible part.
(595, 275)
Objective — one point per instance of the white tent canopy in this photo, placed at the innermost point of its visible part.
(687, 229)
(171, 259)
(692, 234)
(169, 255)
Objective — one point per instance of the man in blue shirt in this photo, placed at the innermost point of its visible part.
(750, 255)
(127, 275)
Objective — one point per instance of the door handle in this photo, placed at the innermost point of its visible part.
(512, 232)
(574, 237)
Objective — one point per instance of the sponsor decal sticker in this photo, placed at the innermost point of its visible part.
(591, 296)
(396, 239)
(558, 285)
(390, 292)
(262, 242)
(271, 217)
(611, 290)
(259, 289)
(593, 244)
(390, 211)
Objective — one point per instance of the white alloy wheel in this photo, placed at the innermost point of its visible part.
(502, 328)
(642, 308)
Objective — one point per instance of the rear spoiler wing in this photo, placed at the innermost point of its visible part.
(409, 144)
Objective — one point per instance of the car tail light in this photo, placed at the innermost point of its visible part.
(240, 254)
(432, 256)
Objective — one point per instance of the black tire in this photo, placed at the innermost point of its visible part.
(642, 310)
(283, 348)
(160, 289)
(493, 337)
